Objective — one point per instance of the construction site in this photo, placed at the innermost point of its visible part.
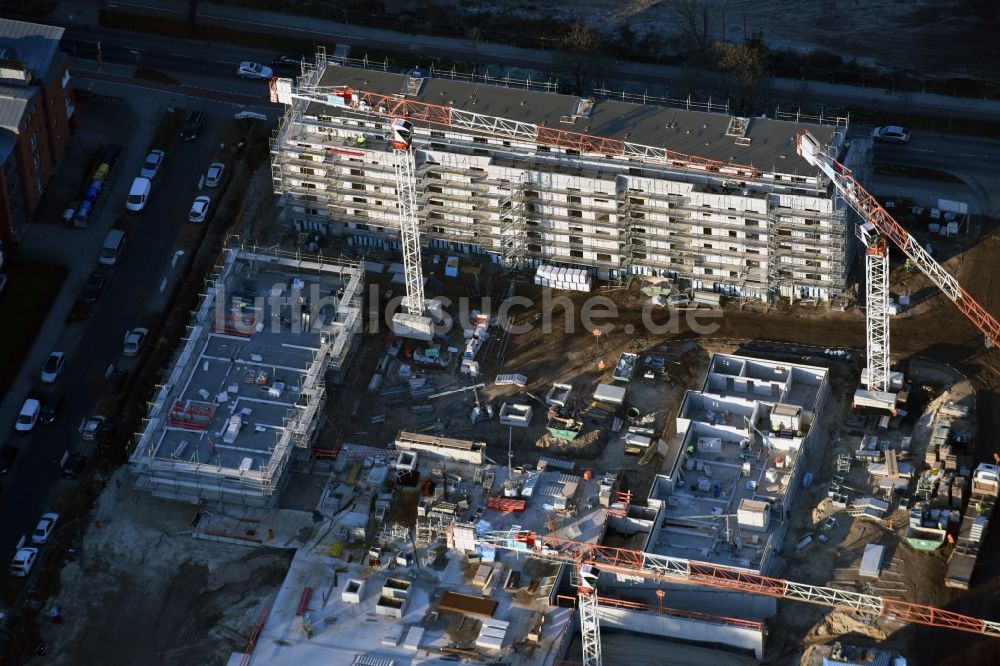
(430, 455)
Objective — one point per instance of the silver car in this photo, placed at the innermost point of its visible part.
(151, 166)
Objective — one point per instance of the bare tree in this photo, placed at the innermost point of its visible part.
(692, 19)
(744, 71)
(582, 59)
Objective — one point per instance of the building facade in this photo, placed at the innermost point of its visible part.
(36, 118)
(715, 202)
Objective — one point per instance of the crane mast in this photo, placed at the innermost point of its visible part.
(876, 308)
(590, 625)
(409, 229)
(888, 228)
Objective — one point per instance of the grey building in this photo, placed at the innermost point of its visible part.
(525, 177)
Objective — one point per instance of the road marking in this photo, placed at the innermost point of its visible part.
(226, 62)
(971, 155)
(182, 55)
(921, 150)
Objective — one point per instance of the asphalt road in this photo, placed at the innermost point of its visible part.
(132, 286)
(194, 64)
(972, 160)
(307, 27)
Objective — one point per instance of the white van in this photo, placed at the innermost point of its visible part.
(112, 246)
(138, 195)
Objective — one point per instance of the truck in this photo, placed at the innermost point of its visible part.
(975, 522)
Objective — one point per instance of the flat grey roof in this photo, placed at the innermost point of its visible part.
(697, 133)
(32, 43)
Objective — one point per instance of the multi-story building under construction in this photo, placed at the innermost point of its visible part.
(713, 201)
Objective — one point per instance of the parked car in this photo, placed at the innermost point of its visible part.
(95, 284)
(199, 209)
(24, 560)
(53, 367)
(73, 466)
(28, 416)
(91, 427)
(44, 528)
(152, 165)
(192, 126)
(8, 454)
(677, 300)
(115, 380)
(50, 409)
(133, 341)
(111, 247)
(214, 175)
(288, 64)
(138, 195)
(891, 134)
(253, 70)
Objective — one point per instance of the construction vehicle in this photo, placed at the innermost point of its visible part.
(876, 230)
(589, 558)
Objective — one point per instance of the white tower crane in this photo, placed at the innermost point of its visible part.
(590, 625)
(877, 307)
(412, 322)
(877, 229)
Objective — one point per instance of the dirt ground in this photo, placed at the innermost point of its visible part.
(143, 591)
(942, 38)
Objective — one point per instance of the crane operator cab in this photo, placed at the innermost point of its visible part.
(402, 134)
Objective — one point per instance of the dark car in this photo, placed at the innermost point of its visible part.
(73, 466)
(95, 285)
(192, 126)
(50, 409)
(115, 381)
(8, 454)
(288, 64)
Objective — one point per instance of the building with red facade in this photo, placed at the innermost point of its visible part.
(36, 118)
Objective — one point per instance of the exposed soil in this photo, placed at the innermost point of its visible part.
(141, 592)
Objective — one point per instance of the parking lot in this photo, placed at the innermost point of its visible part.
(135, 289)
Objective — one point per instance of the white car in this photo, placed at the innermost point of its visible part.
(44, 528)
(151, 166)
(891, 134)
(199, 209)
(53, 367)
(254, 70)
(133, 341)
(214, 174)
(24, 560)
(28, 416)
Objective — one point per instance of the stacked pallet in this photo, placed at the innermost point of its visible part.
(571, 279)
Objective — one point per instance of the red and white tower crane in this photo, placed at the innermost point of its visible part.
(588, 558)
(877, 229)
